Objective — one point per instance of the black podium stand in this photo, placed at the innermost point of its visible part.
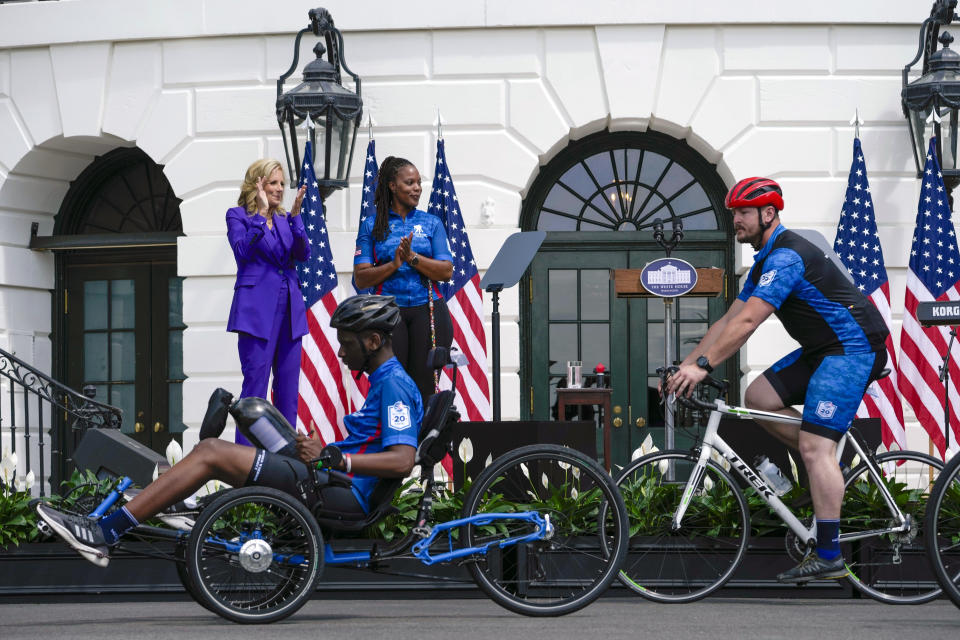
(505, 271)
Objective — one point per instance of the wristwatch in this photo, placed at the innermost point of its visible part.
(415, 260)
(704, 364)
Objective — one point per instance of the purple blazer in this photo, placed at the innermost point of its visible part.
(262, 262)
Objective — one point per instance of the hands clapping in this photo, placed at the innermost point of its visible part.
(299, 200)
(263, 207)
(403, 251)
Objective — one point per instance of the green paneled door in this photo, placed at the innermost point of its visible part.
(125, 326)
(691, 317)
(574, 315)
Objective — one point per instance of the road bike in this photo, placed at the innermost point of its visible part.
(690, 518)
(542, 531)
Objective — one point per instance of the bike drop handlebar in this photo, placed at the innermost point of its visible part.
(690, 401)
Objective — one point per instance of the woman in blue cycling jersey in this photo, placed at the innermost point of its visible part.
(402, 252)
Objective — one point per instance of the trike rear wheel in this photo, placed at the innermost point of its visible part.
(255, 555)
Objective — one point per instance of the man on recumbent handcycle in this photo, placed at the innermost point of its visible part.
(382, 442)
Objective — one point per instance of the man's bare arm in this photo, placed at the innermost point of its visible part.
(714, 332)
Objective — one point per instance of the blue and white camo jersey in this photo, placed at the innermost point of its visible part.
(391, 415)
(818, 306)
(429, 239)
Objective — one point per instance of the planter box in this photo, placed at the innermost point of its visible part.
(52, 568)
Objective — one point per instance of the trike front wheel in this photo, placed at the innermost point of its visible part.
(255, 555)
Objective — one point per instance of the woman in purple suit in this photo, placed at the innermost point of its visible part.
(268, 313)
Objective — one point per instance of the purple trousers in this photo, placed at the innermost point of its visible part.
(279, 352)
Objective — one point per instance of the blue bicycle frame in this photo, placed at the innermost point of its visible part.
(420, 549)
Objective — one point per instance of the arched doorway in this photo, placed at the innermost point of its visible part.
(597, 200)
(118, 320)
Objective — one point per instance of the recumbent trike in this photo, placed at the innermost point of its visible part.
(542, 531)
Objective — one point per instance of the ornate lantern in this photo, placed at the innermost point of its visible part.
(934, 97)
(320, 109)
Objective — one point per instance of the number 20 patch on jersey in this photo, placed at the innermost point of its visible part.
(399, 416)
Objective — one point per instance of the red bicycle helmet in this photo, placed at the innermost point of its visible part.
(754, 192)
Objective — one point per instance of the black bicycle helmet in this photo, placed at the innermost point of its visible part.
(366, 313)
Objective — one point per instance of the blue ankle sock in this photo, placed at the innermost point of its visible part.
(116, 524)
(828, 539)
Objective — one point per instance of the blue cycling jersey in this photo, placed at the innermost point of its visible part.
(818, 306)
(429, 239)
(391, 415)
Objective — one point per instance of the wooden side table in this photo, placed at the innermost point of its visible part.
(597, 397)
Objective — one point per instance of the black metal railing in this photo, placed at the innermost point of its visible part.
(29, 390)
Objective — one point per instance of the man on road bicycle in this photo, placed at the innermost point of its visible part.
(382, 442)
(841, 336)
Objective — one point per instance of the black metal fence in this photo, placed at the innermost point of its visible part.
(45, 413)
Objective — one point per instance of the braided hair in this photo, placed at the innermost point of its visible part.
(382, 198)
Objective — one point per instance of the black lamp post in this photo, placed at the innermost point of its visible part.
(935, 95)
(320, 109)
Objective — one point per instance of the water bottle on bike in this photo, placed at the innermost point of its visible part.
(772, 476)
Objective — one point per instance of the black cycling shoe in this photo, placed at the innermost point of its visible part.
(83, 534)
(813, 567)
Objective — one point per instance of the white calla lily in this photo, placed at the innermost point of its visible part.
(466, 450)
(707, 483)
(526, 472)
(544, 481)
(637, 453)
(8, 467)
(646, 444)
(488, 461)
(663, 466)
(174, 452)
(793, 469)
(156, 471)
(574, 493)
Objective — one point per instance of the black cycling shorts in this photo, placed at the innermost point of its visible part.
(310, 486)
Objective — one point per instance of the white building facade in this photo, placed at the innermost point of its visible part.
(736, 89)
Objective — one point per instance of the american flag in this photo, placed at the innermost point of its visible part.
(367, 207)
(858, 246)
(462, 293)
(933, 274)
(359, 387)
(322, 393)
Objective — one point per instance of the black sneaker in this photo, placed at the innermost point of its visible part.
(813, 567)
(84, 535)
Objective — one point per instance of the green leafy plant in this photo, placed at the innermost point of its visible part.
(81, 492)
(18, 520)
(399, 524)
